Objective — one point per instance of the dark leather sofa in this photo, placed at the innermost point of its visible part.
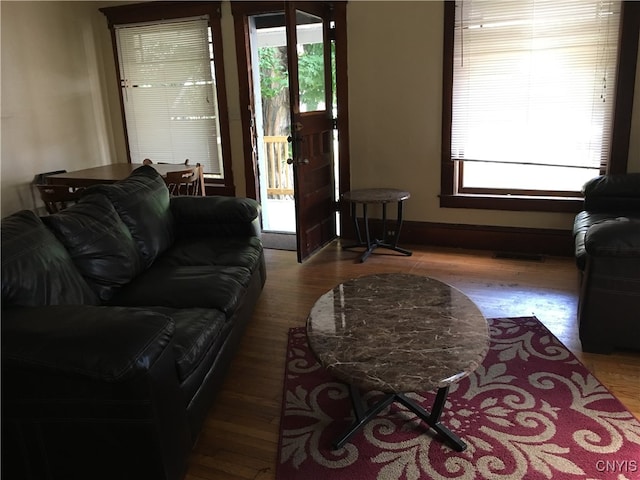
(607, 249)
(120, 316)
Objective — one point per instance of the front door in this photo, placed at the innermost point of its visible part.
(311, 128)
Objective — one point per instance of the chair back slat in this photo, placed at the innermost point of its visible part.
(184, 182)
(58, 197)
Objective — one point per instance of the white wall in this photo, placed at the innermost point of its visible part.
(53, 111)
(60, 105)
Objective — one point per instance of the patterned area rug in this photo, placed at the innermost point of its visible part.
(531, 411)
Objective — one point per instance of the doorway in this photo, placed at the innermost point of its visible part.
(294, 164)
(268, 47)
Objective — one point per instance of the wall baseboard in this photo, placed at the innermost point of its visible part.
(479, 237)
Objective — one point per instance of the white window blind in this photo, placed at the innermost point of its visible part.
(169, 93)
(533, 83)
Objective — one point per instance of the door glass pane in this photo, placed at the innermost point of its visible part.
(311, 67)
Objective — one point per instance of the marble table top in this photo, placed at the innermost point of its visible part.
(397, 333)
(376, 195)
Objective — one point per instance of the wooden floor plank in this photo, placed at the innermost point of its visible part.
(240, 437)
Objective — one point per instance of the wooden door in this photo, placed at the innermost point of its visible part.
(311, 130)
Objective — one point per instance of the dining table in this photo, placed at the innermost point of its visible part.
(111, 173)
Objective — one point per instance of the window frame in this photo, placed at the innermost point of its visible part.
(156, 12)
(625, 82)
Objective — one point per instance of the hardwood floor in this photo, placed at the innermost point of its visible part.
(240, 437)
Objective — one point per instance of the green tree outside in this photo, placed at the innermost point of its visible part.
(274, 84)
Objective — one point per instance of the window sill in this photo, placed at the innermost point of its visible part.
(513, 202)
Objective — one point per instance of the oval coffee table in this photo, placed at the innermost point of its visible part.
(397, 333)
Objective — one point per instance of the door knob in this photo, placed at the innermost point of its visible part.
(290, 161)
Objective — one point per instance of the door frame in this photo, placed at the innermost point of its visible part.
(241, 11)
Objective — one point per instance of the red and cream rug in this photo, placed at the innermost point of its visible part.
(531, 411)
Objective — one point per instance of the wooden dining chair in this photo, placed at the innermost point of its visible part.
(58, 197)
(184, 182)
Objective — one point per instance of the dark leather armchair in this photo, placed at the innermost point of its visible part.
(607, 248)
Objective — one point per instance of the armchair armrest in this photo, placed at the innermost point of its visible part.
(618, 237)
(613, 193)
(216, 215)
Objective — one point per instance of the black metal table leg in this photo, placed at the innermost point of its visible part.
(362, 416)
(384, 223)
(432, 419)
(394, 245)
(354, 216)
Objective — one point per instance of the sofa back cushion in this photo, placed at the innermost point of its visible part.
(36, 268)
(142, 201)
(100, 244)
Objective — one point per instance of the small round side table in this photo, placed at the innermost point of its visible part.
(376, 196)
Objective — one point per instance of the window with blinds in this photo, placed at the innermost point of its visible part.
(169, 92)
(533, 93)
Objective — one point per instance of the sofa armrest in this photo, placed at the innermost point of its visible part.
(618, 237)
(96, 384)
(216, 215)
(110, 344)
(613, 193)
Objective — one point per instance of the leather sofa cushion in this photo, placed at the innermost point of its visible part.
(36, 268)
(242, 251)
(105, 343)
(99, 243)
(197, 331)
(209, 286)
(142, 201)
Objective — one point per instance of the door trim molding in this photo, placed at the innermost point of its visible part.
(241, 11)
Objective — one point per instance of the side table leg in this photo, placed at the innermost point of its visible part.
(365, 216)
(354, 216)
(371, 245)
(356, 227)
(384, 223)
(398, 224)
(394, 245)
